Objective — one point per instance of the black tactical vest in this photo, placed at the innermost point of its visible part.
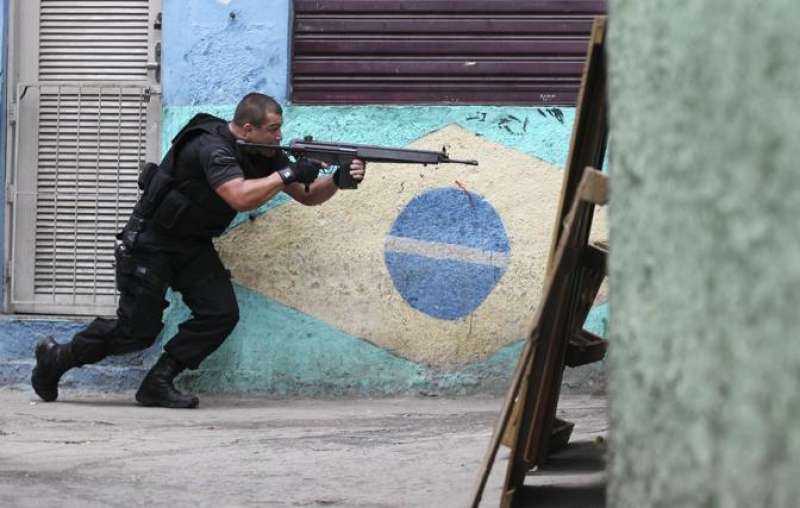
(171, 202)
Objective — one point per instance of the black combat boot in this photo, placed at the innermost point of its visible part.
(157, 388)
(52, 361)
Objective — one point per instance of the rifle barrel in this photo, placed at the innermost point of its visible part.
(468, 162)
(421, 155)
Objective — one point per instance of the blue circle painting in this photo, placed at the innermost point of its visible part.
(446, 252)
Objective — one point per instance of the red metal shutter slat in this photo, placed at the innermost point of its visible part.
(437, 51)
(449, 6)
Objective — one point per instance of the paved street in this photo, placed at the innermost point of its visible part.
(92, 449)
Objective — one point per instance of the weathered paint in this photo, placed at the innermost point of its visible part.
(214, 52)
(434, 368)
(217, 51)
(543, 133)
(278, 350)
(270, 353)
(323, 231)
(446, 251)
(331, 262)
(264, 354)
(17, 340)
(704, 257)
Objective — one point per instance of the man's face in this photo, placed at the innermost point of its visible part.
(269, 133)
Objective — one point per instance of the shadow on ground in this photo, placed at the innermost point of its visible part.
(573, 477)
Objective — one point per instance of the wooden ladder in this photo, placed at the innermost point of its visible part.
(575, 271)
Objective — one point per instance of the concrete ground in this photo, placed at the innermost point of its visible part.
(94, 449)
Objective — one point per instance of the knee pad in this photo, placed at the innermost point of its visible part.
(140, 317)
(134, 276)
(141, 303)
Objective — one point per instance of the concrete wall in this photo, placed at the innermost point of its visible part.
(704, 258)
(334, 300)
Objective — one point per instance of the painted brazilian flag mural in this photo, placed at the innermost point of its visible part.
(441, 265)
(426, 278)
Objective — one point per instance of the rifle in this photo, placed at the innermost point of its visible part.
(342, 154)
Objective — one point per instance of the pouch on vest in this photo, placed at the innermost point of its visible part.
(159, 185)
(180, 216)
(161, 202)
(124, 265)
(146, 172)
(172, 210)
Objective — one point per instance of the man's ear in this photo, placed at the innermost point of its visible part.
(247, 130)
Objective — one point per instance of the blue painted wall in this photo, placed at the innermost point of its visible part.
(215, 51)
(426, 282)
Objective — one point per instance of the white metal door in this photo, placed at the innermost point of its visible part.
(85, 104)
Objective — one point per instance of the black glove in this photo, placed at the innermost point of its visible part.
(343, 179)
(303, 171)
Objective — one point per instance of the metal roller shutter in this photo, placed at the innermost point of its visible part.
(438, 51)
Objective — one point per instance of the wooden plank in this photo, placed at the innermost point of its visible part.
(574, 275)
(537, 408)
(601, 245)
(583, 284)
(594, 258)
(588, 143)
(594, 186)
(590, 130)
(512, 429)
(585, 348)
(584, 145)
(547, 315)
(519, 376)
(595, 190)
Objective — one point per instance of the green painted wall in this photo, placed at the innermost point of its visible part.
(705, 253)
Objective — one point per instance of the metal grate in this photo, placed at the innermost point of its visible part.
(93, 40)
(89, 141)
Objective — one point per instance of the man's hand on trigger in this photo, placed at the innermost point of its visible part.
(303, 171)
(358, 169)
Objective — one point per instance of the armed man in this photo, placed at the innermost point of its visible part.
(213, 170)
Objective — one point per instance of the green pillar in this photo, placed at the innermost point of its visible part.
(705, 253)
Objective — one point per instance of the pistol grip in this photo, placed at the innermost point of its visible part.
(344, 180)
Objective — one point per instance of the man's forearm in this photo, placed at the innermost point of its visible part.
(321, 190)
(257, 191)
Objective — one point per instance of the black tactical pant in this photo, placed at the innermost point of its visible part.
(143, 276)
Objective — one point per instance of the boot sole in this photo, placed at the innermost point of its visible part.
(43, 393)
(148, 402)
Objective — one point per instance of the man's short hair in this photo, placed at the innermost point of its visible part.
(253, 109)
